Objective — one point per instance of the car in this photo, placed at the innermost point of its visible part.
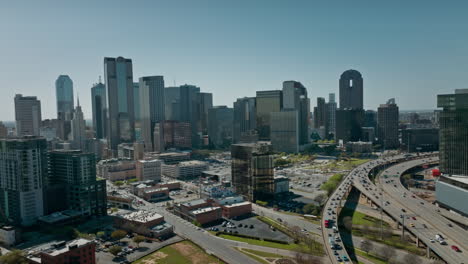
(455, 248)
(432, 240)
(412, 225)
(240, 225)
(335, 253)
(251, 226)
(338, 258)
(414, 218)
(345, 258)
(450, 225)
(403, 210)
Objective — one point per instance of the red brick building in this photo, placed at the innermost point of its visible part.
(78, 251)
(237, 209)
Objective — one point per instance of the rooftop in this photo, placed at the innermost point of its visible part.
(152, 190)
(194, 202)
(56, 248)
(204, 210)
(142, 216)
(237, 204)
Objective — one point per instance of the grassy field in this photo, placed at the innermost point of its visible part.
(292, 246)
(370, 257)
(339, 165)
(184, 252)
(395, 241)
(257, 258)
(361, 219)
(263, 254)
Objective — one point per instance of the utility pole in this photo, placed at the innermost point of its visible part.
(402, 227)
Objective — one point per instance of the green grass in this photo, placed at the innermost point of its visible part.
(292, 246)
(263, 254)
(395, 241)
(370, 257)
(361, 219)
(260, 260)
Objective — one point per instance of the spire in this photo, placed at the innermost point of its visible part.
(78, 99)
(100, 79)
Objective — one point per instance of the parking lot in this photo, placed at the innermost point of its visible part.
(252, 227)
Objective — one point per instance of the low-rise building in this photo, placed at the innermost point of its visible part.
(169, 157)
(144, 223)
(183, 209)
(237, 209)
(148, 170)
(154, 194)
(116, 169)
(8, 235)
(121, 201)
(78, 251)
(359, 147)
(185, 169)
(130, 150)
(206, 215)
(281, 184)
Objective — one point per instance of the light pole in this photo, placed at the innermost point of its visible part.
(402, 226)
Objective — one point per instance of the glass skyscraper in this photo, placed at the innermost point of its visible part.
(64, 94)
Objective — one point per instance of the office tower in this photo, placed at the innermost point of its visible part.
(171, 103)
(387, 122)
(331, 114)
(420, 139)
(172, 134)
(136, 101)
(349, 124)
(151, 107)
(244, 117)
(188, 110)
(252, 170)
(368, 134)
(204, 102)
(64, 94)
(76, 171)
(78, 128)
(284, 131)
(453, 121)
(27, 115)
(320, 113)
(351, 90)
(267, 102)
(23, 168)
(119, 85)
(99, 101)
(3, 130)
(370, 119)
(220, 120)
(295, 98)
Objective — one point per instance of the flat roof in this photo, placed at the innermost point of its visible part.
(56, 248)
(142, 216)
(205, 210)
(458, 178)
(238, 204)
(194, 202)
(155, 190)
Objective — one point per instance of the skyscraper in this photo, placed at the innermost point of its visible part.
(284, 131)
(78, 129)
(351, 90)
(27, 115)
(136, 101)
(252, 170)
(320, 113)
(64, 94)
(331, 114)
(171, 103)
(23, 168)
(121, 117)
(267, 102)
(99, 101)
(387, 122)
(204, 102)
(453, 120)
(349, 124)
(151, 107)
(3, 130)
(244, 117)
(295, 98)
(220, 121)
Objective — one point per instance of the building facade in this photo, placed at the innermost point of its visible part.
(387, 122)
(220, 122)
(295, 98)
(284, 131)
(420, 139)
(27, 115)
(349, 124)
(351, 90)
(64, 94)
(151, 107)
(148, 170)
(244, 117)
(99, 108)
(267, 102)
(331, 114)
(78, 129)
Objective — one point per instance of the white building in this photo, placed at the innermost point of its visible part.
(8, 235)
(185, 169)
(148, 170)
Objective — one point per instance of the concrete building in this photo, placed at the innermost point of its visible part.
(154, 194)
(244, 117)
(8, 235)
(151, 107)
(284, 131)
(237, 209)
(368, 134)
(204, 101)
(253, 170)
(387, 123)
(116, 169)
(359, 147)
(134, 151)
(200, 211)
(349, 124)
(169, 157)
(452, 193)
(331, 114)
(64, 96)
(281, 184)
(3, 130)
(78, 129)
(172, 134)
(99, 108)
(220, 126)
(27, 115)
(453, 119)
(351, 90)
(76, 171)
(295, 98)
(267, 102)
(122, 201)
(78, 251)
(23, 169)
(184, 169)
(118, 76)
(420, 139)
(148, 170)
(145, 223)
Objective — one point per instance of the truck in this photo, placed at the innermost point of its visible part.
(335, 229)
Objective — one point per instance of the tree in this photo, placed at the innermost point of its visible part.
(138, 239)
(348, 223)
(320, 199)
(410, 258)
(387, 252)
(13, 257)
(302, 258)
(115, 250)
(366, 245)
(118, 234)
(100, 234)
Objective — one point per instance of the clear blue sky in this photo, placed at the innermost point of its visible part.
(410, 50)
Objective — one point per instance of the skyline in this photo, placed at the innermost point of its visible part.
(233, 50)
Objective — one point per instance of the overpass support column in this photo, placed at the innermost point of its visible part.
(428, 252)
(417, 241)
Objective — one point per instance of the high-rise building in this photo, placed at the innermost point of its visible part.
(119, 85)
(331, 114)
(152, 107)
(295, 98)
(284, 131)
(23, 168)
(252, 170)
(171, 103)
(351, 90)
(99, 101)
(64, 94)
(172, 134)
(320, 114)
(370, 119)
(349, 124)
(267, 102)
(78, 129)
(136, 101)
(76, 171)
(3, 130)
(420, 139)
(220, 121)
(204, 102)
(27, 115)
(453, 122)
(244, 117)
(387, 122)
